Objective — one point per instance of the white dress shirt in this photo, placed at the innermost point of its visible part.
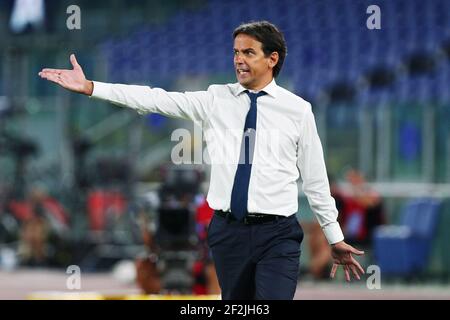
(286, 142)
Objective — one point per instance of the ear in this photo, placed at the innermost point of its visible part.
(273, 59)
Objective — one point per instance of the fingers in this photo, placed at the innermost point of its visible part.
(347, 273)
(333, 270)
(47, 70)
(48, 74)
(53, 74)
(74, 61)
(354, 271)
(353, 267)
(356, 251)
(357, 265)
(53, 77)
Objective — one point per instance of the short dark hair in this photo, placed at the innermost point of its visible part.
(271, 38)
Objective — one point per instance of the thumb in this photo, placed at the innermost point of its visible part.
(74, 61)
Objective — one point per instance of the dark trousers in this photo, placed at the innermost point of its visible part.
(258, 261)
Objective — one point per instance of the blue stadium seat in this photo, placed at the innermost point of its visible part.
(405, 249)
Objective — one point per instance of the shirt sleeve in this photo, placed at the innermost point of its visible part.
(194, 106)
(316, 187)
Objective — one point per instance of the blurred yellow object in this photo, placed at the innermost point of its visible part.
(57, 295)
(97, 296)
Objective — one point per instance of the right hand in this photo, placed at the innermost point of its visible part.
(73, 80)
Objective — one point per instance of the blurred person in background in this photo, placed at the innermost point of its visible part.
(319, 249)
(206, 281)
(148, 276)
(33, 242)
(362, 210)
(254, 234)
(43, 229)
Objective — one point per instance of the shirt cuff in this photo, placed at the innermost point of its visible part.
(333, 233)
(101, 90)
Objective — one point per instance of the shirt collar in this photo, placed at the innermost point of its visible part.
(270, 89)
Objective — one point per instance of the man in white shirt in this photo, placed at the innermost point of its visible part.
(259, 137)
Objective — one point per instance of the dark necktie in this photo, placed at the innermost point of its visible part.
(239, 194)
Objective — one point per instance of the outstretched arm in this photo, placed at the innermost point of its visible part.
(73, 80)
(194, 106)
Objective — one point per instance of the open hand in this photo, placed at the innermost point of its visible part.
(73, 80)
(342, 255)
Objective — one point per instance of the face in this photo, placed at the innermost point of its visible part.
(253, 69)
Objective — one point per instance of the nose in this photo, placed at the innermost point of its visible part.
(238, 58)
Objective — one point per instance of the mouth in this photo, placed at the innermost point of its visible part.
(242, 71)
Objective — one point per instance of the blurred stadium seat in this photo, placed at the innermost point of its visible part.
(405, 249)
